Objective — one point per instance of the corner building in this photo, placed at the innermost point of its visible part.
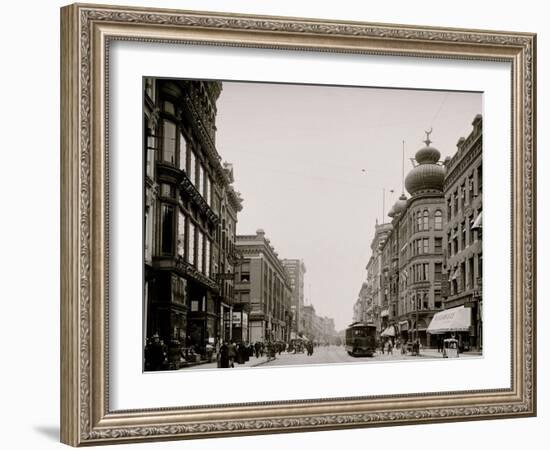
(413, 253)
(263, 288)
(190, 215)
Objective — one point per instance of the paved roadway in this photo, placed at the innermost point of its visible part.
(338, 354)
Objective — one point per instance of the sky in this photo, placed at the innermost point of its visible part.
(312, 163)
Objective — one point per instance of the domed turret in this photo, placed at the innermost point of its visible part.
(400, 204)
(428, 175)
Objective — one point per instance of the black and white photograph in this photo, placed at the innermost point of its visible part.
(292, 224)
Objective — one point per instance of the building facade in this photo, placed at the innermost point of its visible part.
(296, 270)
(262, 288)
(190, 215)
(431, 258)
(463, 191)
(406, 266)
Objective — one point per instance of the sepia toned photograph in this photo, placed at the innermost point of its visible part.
(291, 224)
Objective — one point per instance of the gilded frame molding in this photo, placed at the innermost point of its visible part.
(86, 31)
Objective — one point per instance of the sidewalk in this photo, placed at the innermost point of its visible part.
(433, 353)
(252, 362)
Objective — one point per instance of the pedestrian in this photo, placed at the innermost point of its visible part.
(155, 354)
(257, 346)
(382, 347)
(232, 350)
(390, 348)
(224, 355)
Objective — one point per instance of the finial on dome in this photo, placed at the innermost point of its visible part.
(427, 141)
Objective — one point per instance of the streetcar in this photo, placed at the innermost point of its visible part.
(361, 339)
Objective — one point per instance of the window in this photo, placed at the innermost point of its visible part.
(169, 142)
(167, 224)
(455, 201)
(480, 268)
(449, 209)
(181, 234)
(150, 144)
(425, 222)
(166, 190)
(479, 180)
(200, 179)
(200, 243)
(449, 244)
(245, 273)
(470, 188)
(169, 107)
(179, 290)
(426, 246)
(192, 167)
(207, 189)
(182, 163)
(437, 271)
(191, 251)
(438, 245)
(207, 256)
(463, 225)
(471, 279)
(471, 233)
(437, 299)
(438, 220)
(455, 240)
(418, 221)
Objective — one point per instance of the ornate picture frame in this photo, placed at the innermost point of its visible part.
(86, 34)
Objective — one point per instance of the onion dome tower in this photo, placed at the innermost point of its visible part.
(428, 174)
(401, 204)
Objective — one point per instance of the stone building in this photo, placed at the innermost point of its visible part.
(463, 231)
(190, 213)
(262, 287)
(410, 253)
(296, 270)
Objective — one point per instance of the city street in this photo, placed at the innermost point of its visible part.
(338, 354)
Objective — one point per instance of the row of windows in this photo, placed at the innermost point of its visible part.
(463, 235)
(422, 246)
(192, 244)
(464, 194)
(177, 152)
(420, 220)
(464, 276)
(420, 300)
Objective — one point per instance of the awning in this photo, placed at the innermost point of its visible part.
(455, 274)
(454, 319)
(390, 331)
(385, 313)
(403, 325)
(478, 223)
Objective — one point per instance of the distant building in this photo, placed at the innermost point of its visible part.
(262, 288)
(377, 308)
(463, 230)
(296, 270)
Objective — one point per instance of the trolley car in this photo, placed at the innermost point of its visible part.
(361, 339)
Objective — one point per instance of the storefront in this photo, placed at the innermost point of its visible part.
(452, 322)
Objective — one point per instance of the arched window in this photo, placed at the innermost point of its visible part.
(438, 223)
(425, 222)
(418, 221)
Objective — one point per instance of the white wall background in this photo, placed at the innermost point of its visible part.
(29, 231)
